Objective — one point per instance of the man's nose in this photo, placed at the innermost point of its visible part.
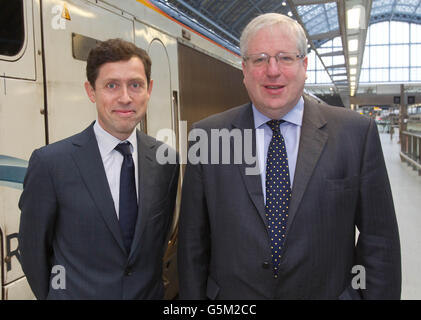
(273, 68)
(125, 97)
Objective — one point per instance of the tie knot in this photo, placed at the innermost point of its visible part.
(124, 148)
(274, 124)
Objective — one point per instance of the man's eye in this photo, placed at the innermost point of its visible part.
(287, 58)
(136, 85)
(111, 86)
(259, 60)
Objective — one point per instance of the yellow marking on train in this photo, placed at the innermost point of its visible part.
(65, 14)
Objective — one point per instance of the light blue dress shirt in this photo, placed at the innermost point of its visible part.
(290, 130)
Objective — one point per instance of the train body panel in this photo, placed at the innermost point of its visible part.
(43, 100)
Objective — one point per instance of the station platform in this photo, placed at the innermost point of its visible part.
(406, 188)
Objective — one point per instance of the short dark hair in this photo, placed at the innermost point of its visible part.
(114, 50)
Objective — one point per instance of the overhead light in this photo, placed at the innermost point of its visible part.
(353, 61)
(284, 3)
(352, 78)
(353, 45)
(353, 71)
(353, 18)
(290, 13)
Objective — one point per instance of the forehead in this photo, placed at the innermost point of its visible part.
(273, 38)
(129, 69)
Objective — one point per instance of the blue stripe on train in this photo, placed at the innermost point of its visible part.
(12, 171)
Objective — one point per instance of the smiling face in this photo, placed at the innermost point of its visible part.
(121, 95)
(274, 89)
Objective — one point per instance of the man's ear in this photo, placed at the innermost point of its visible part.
(243, 67)
(90, 91)
(150, 87)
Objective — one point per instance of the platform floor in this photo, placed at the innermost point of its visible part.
(406, 189)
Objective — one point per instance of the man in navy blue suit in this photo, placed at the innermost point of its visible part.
(75, 193)
(239, 238)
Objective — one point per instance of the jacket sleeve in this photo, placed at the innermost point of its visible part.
(378, 246)
(38, 206)
(194, 236)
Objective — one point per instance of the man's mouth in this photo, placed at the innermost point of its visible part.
(124, 112)
(274, 87)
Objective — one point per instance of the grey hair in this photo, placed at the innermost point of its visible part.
(271, 19)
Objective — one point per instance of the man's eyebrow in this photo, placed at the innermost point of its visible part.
(119, 79)
(137, 79)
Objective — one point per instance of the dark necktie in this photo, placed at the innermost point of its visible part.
(278, 192)
(128, 195)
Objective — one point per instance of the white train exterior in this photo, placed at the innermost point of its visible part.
(42, 98)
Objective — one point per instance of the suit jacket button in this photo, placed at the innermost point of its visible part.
(128, 272)
(265, 265)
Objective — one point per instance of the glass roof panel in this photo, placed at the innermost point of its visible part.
(398, 10)
(319, 18)
(404, 9)
(408, 2)
(381, 10)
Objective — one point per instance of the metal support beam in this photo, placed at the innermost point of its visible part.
(339, 74)
(310, 2)
(327, 35)
(333, 53)
(403, 113)
(208, 20)
(336, 66)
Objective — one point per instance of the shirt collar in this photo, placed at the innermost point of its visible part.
(107, 142)
(294, 116)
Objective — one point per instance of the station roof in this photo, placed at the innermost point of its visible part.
(228, 18)
(323, 20)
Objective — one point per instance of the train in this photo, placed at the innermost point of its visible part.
(43, 50)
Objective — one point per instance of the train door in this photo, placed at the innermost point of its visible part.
(21, 127)
(71, 28)
(162, 119)
(162, 112)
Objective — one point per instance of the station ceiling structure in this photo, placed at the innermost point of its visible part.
(323, 20)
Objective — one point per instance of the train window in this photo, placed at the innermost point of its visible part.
(12, 29)
(81, 45)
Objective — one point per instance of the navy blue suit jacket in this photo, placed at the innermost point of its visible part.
(68, 219)
(340, 183)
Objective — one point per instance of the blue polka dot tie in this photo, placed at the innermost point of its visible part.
(278, 192)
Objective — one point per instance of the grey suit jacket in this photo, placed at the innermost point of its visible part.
(68, 220)
(340, 183)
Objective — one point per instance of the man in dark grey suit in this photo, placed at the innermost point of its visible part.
(97, 207)
(290, 231)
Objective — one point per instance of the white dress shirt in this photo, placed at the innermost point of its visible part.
(112, 160)
(290, 130)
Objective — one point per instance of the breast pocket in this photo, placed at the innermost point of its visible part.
(342, 184)
(340, 199)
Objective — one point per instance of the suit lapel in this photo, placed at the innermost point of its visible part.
(312, 141)
(88, 159)
(146, 167)
(252, 182)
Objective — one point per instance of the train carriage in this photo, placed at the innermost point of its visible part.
(43, 50)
